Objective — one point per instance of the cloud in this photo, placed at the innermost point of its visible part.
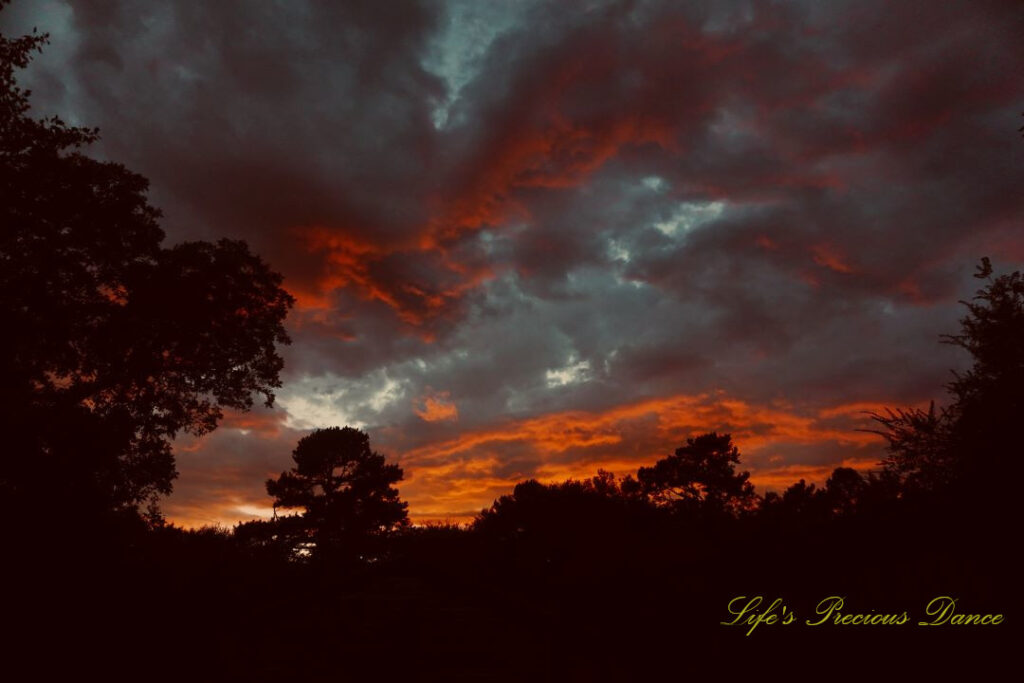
(567, 215)
(780, 443)
(435, 407)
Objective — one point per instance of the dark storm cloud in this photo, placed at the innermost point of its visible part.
(254, 121)
(521, 225)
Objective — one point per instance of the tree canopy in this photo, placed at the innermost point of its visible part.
(344, 489)
(700, 476)
(114, 343)
(969, 448)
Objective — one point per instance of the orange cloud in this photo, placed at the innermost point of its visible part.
(226, 511)
(266, 422)
(468, 472)
(557, 432)
(356, 265)
(780, 478)
(558, 153)
(435, 407)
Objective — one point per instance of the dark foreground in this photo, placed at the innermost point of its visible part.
(576, 605)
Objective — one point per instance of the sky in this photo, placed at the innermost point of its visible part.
(535, 239)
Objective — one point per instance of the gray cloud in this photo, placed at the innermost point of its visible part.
(527, 210)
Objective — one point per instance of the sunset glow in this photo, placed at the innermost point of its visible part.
(533, 242)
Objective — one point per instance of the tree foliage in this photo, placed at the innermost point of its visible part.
(113, 343)
(700, 477)
(344, 489)
(970, 448)
(564, 509)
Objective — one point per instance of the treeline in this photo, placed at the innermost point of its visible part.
(349, 509)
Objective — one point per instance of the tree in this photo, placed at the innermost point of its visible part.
(800, 502)
(345, 490)
(113, 343)
(558, 512)
(565, 531)
(843, 491)
(970, 449)
(700, 477)
(918, 443)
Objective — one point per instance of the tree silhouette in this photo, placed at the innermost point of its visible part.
(970, 448)
(560, 532)
(843, 491)
(699, 477)
(345, 491)
(113, 343)
(919, 453)
(801, 501)
(560, 510)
